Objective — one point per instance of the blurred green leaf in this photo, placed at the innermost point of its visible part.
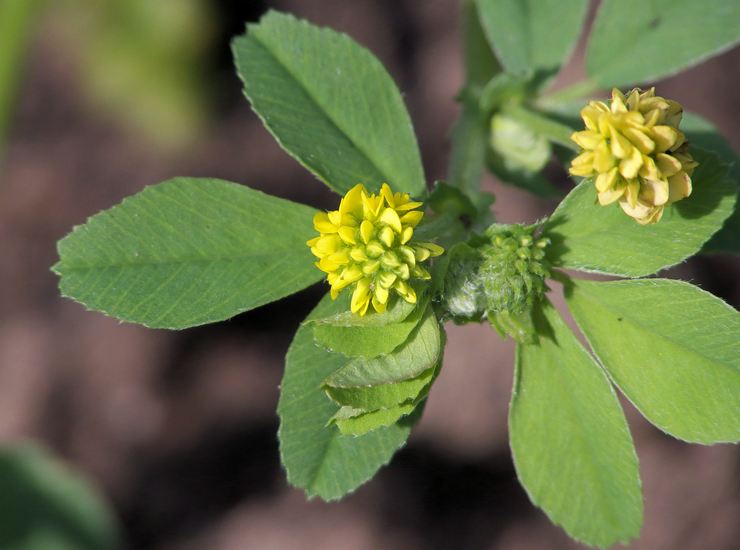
(17, 22)
(369, 339)
(317, 457)
(571, 445)
(518, 155)
(44, 505)
(603, 239)
(188, 252)
(532, 36)
(144, 62)
(469, 135)
(635, 41)
(673, 349)
(330, 104)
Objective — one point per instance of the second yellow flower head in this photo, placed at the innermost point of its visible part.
(369, 243)
(636, 152)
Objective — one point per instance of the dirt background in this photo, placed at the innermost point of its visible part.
(178, 428)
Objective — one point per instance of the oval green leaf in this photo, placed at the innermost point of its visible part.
(673, 349)
(330, 104)
(188, 252)
(571, 445)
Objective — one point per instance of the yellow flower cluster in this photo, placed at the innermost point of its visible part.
(367, 242)
(637, 153)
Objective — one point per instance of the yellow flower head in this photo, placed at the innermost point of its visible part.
(368, 243)
(636, 152)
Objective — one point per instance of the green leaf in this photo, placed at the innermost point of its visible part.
(571, 445)
(673, 349)
(419, 353)
(317, 457)
(45, 505)
(702, 133)
(369, 339)
(380, 396)
(603, 239)
(532, 35)
(188, 252)
(356, 422)
(330, 104)
(397, 311)
(636, 41)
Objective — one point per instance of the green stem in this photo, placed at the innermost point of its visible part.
(554, 131)
(17, 18)
(579, 90)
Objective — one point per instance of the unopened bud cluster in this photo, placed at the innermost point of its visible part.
(500, 279)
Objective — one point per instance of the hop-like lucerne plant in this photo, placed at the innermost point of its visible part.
(401, 259)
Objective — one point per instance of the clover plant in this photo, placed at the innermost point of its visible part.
(654, 185)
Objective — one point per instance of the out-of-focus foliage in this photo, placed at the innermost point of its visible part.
(43, 505)
(143, 61)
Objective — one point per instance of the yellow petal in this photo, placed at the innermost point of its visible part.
(368, 268)
(656, 191)
(630, 166)
(608, 197)
(347, 234)
(389, 259)
(374, 249)
(412, 218)
(606, 180)
(386, 279)
(679, 187)
(408, 255)
(390, 218)
(360, 296)
(603, 158)
(323, 224)
(403, 272)
(378, 306)
(434, 249)
(366, 231)
(381, 294)
(665, 137)
(638, 211)
(352, 201)
(587, 139)
(620, 145)
(649, 170)
(632, 192)
(667, 164)
(358, 254)
(640, 140)
(406, 234)
(386, 236)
